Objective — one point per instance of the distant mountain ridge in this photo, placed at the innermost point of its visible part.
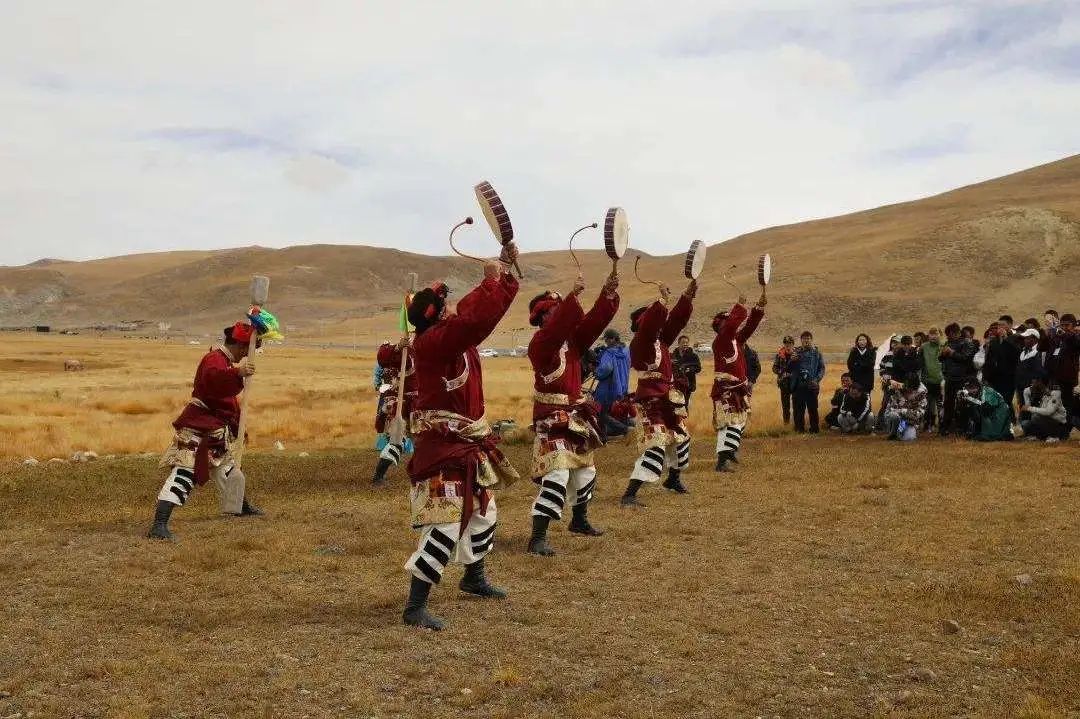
(1009, 244)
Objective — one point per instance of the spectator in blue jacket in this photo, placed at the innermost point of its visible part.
(808, 369)
(612, 379)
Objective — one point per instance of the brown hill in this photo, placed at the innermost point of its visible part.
(1009, 244)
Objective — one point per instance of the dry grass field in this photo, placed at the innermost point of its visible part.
(817, 581)
(131, 390)
(814, 583)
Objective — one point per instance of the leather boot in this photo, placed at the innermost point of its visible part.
(247, 509)
(160, 528)
(380, 472)
(579, 524)
(416, 613)
(538, 541)
(629, 498)
(674, 483)
(723, 462)
(474, 582)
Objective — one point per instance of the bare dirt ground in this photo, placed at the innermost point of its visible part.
(816, 582)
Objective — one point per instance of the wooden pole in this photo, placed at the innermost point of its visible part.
(397, 425)
(260, 291)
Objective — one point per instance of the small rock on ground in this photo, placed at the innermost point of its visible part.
(922, 674)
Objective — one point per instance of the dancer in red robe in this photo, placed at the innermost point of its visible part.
(731, 388)
(664, 441)
(457, 464)
(565, 420)
(205, 431)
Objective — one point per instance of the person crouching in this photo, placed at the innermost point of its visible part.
(853, 414)
(906, 409)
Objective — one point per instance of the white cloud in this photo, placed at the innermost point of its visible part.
(132, 126)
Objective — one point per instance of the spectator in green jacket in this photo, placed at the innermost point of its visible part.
(930, 370)
(988, 420)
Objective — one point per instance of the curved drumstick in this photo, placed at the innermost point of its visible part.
(593, 226)
(644, 282)
(724, 276)
(466, 221)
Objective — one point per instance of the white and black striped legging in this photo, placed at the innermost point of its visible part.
(557, 484)
(653, 461)
(439, 545)
(181, 483)
(729, 438)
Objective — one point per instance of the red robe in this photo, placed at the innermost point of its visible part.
(731, 390)
(729, 355)
(650, 347)
(564, 420)
(216, 385)
(389, 358)
(555, 350)
(650, 355)
(448, 374)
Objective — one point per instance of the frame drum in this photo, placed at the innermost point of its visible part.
(616, 232)
(695, 260)
(764, 269)
(495, 213)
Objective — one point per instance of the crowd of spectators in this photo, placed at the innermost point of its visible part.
(1014, 381)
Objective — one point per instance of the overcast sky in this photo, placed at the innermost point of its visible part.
(145, 126)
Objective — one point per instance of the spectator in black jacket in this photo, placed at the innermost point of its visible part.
(956, 365)
(833, 417)
(753, 364)
(861, 361)
(1063, 362)
(1032, 362)
(781, 367)
(1033, 324)
(1002, 356)
(905, 360)
(855, 416)
(687, 365)
(885, 375)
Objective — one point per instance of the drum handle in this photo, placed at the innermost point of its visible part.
(466, 221)
(593, 226)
